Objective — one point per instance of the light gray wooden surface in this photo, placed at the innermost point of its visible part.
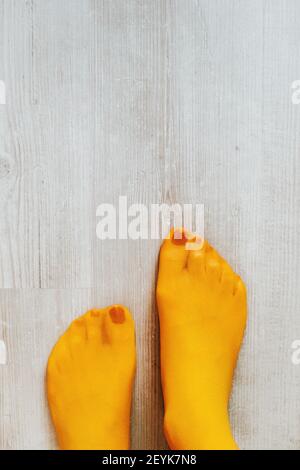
(161, 101)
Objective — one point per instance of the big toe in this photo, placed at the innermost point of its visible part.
(118, 325)
(174, 253)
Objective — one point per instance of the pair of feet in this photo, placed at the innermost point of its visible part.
(202, 312)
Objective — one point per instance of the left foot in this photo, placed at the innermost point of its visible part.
(90, 375)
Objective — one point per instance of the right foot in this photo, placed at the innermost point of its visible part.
(202, 312)
(90, 375)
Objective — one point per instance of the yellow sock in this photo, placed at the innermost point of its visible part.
(202, 311)
(90, 375)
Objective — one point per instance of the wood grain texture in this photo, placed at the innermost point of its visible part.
(160, 101)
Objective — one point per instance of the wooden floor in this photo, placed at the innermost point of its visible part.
(161, 101)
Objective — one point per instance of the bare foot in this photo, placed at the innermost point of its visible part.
(89, 381)
(202, 311)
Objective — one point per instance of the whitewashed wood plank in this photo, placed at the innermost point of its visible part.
(31, 322)
(63, 93)
(19, 254)
(130, 149)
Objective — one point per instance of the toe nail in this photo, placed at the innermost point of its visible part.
(117, 314)
(179, 238)
(95, 313)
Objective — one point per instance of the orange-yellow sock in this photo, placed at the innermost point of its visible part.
(90, 375)
(202, 312)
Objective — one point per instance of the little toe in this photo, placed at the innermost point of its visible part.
(60, 357)
(239, 289)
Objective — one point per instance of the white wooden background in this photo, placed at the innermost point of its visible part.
(161, 101)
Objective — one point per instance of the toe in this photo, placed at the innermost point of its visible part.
(213, 263)
(76, 333)
(59, 359)
(197, 259)
(239, 290)
(173, 254)
(93, 324)
(213, 268)
(118, 324)
(228, 279)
